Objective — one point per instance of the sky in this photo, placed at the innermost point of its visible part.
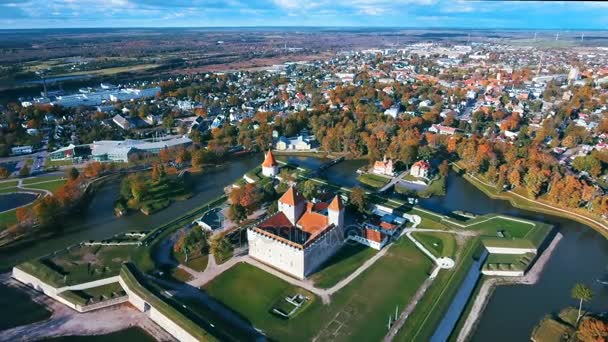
(560, 15)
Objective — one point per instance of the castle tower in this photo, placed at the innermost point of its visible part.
(270, 167)
(292, 204)
(335, 212)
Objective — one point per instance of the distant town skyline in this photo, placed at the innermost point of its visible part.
(560, 15)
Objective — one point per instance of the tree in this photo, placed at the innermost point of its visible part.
(73, 174)
(25, 171)
(309, 189)
(221, 248)
(592, 330)
(237, 213)
(4, 173)
(358, 198)
(24, 215)
(582, 293)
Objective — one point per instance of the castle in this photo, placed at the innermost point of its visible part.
(301, 236)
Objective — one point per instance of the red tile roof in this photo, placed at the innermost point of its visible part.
(336, 204)
(291, 197)
(373, 235)
(312, 223)
(269, 161)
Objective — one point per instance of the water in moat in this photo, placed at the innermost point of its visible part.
(581, 256)
(99, 222)
(15, 200)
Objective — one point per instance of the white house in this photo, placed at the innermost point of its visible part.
(420, 169)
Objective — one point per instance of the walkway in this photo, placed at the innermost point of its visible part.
(65, 321)
(394, 181)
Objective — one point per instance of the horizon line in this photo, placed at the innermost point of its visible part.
(309, 27)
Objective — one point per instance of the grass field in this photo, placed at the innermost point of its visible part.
(41, 179)
(373, 181)
(425, 318)
(111, 71)
(7, 219)
(82, 264)
(549, 330)
(51, 186)
(440, 244)
(358, 311)
(343, 263)
(94, 295)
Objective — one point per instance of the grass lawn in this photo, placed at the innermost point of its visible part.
(342, 264)
(51, 186)
(425, 318)
(440, 244)
(95, 294)
(41, 179)
(551, 330)
(9, 189)
(7, 219)
(373, 181)
(9, 184)
(431, 224)
(86, 263)
(358, 311)
(16, 308)
(180, 275)
(111, 71)
(198, 263)
(51, 163)
(510, 229)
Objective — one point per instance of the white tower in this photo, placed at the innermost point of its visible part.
(335, 212)
(292, 204)
(270, 167)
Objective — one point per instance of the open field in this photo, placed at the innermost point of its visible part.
(343, 263)
(440, 244)
(358, 311)
(34, 180)
(425, 318)
(110, 71)
(51, 186)
(373, 181)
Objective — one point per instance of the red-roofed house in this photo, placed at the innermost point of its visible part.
(420, 169)
(300, 237)
(384, 167)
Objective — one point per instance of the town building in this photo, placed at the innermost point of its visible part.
(299, 143)
(121, 150)
(384, 167)
(300, 237)
(270, 167)
(420, 169)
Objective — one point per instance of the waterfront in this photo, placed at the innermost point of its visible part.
(15, 200)
(581, 256)
(97, 221)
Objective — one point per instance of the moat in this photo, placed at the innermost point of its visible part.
(582, 255)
